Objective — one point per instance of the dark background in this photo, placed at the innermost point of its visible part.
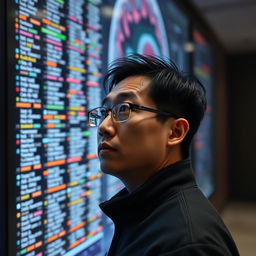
(242, 125)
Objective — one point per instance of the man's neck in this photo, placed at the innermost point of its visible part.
(135, 180)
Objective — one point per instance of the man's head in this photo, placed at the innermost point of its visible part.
(148, 140)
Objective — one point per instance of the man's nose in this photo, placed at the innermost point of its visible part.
(107, 127)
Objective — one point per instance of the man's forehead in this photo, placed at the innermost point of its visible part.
(129, 88)
(133, 82)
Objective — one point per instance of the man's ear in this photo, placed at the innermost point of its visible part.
(178, 130)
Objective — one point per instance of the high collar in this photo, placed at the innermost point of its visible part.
(163, 184)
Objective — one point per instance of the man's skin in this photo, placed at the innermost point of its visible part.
(136, 149)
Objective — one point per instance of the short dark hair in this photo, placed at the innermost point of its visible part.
(171, 90)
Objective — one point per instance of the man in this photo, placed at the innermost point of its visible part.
(145, 127)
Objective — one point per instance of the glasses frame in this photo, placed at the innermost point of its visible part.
(132, 106)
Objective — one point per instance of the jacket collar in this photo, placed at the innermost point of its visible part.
(163, 184)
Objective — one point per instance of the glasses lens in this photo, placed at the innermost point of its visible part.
(96, 116)
(121, 112)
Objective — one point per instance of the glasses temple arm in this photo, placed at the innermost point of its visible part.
(155, 111)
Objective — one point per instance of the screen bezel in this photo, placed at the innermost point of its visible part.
(11, 128)
(3, 131)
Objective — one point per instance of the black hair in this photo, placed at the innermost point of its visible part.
(171, 90)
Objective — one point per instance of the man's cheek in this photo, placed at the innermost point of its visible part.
(132, 141)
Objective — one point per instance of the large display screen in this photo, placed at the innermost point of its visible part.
(203, 142)
(177, 31)
(58, 51)
(54, 73)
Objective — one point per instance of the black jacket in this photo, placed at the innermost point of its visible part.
(167, 216)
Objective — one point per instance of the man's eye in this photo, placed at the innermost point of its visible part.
(123, 108)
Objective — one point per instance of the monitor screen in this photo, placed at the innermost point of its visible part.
(177, 31)
(55, 49)
(148, 27)
(57, 53)
(203, 141)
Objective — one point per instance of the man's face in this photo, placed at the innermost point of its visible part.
(139, 144)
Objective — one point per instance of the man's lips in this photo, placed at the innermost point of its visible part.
(104, 147)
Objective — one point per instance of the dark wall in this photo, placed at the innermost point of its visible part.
(242, 126)
(221, 164)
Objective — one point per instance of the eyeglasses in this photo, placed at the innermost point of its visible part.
(119, 113)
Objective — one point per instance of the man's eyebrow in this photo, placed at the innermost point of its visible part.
(121, 96)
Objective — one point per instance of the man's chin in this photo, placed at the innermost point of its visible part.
(107, 169)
